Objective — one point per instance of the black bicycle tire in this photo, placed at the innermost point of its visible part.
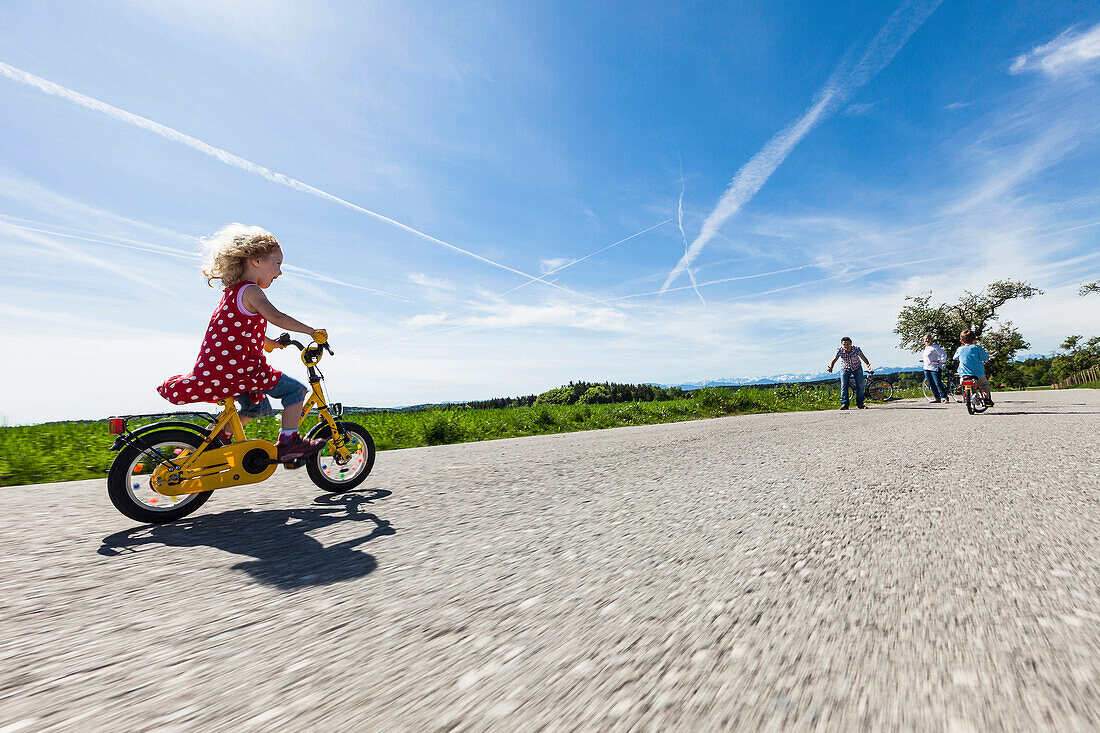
(117, 482)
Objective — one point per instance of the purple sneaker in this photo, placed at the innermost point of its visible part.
(295, 446)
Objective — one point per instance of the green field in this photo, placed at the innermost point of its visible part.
(67, 451)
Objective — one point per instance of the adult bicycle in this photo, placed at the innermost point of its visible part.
(877, 388)
(950, 384)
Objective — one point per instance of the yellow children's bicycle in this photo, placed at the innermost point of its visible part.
(166, 470)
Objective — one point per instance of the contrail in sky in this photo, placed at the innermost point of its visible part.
(228, 158)
(683, 235)
(715, 282)
(591, 254)
(840, 86)
(170, 252)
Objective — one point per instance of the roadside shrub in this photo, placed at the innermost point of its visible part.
(598, 395)
(440, 430)
(541, 418)
(581, 414)
(712, 398)
(746, 399)
(562, 395)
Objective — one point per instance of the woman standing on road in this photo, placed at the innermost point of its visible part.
(934, 359)
(852, 371)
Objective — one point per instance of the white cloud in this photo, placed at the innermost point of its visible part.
(547, 266)
(426, 319)
(858, 110)
(271, 26)
(508, 316)
(429, 282)
(1070, 53)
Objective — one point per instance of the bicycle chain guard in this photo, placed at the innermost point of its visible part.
(236, 464)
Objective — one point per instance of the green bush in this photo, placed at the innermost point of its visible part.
(565, 395)
(440, 430)
(541, 418)
(744, 400)
(712, 398)
(597, 395)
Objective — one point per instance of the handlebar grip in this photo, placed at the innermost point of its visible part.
(283, 340)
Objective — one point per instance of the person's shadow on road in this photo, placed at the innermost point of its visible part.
(286, 556)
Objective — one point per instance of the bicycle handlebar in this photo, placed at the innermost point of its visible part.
(310, 354)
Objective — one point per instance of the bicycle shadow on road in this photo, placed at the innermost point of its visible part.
(286, 556)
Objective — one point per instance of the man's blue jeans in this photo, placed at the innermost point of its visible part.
(932, 376)
(847, 376)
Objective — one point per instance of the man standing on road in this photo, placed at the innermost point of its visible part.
(852, 371)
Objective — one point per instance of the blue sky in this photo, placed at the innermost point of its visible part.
(422, 165)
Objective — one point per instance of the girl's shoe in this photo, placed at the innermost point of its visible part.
(295, 446)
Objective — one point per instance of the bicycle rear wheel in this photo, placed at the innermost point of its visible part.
(129, 484)
(929, 393)
(878, 390)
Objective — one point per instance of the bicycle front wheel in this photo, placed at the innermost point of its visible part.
(331, 475)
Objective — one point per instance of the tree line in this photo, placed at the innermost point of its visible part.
(583, 393)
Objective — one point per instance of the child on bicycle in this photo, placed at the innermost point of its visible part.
(972, 360)
(231, 359)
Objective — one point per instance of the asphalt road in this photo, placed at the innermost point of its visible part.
(904, 567)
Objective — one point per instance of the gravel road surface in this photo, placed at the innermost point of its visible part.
(903, 567)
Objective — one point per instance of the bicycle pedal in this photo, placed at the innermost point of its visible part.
(294, 463)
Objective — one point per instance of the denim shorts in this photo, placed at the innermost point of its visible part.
(287, 390)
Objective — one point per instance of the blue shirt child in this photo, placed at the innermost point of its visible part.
(971, 360)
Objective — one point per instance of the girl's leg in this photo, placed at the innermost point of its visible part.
(292, 416)
(291, 445)
(293, 395)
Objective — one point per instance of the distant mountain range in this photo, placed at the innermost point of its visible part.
(780, 378)
(819, 377)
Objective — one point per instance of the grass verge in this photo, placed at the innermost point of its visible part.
(68, 451)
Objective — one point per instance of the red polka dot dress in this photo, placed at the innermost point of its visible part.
(231, 360)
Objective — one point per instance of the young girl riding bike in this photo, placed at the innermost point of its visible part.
(231, 359)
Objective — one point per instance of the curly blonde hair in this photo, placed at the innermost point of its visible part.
(228, 249)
